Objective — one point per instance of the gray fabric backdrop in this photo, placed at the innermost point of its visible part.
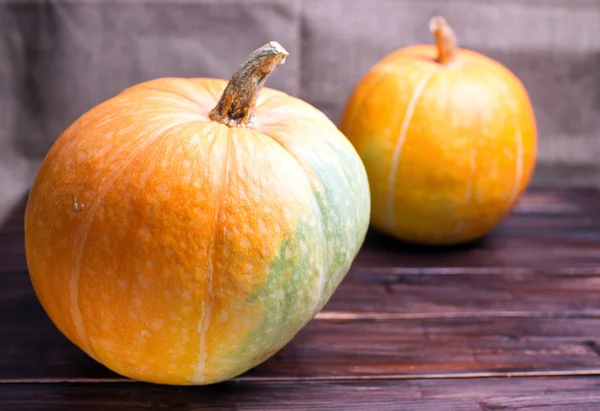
(59, 58)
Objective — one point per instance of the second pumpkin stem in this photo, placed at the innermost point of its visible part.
(445, 39)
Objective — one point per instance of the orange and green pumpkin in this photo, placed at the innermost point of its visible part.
(448, 137)
(185, 230)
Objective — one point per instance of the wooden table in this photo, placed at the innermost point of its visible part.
(511, 322)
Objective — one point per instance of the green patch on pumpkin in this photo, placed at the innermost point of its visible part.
(287, 297)
(325, 248)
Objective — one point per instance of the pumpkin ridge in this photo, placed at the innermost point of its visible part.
(284, 301)
(518, 166)
(518, 146)
(519, 151)
(173, 93)
(81, 236)
(283, 315)
(170, 93)
(331, 189)
(311, 176)
(208, 305)
(470, 184)
(460, 225)
(325, 267)
(268, 96)
(410, 109)
(208, 90)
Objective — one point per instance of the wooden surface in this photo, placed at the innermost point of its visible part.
(409, 328)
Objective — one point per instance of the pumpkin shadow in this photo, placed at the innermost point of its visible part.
(226, 395)
(378, 240)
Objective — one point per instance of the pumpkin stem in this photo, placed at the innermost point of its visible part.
(445, 39)
(238, 101)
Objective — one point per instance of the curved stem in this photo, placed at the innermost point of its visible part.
(238, 101)
(445, 39)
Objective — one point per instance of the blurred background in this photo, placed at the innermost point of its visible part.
(59, 58)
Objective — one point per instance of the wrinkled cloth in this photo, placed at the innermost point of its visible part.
(60, 58)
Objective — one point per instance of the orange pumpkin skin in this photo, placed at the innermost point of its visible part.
(448, 148)
(175, 249)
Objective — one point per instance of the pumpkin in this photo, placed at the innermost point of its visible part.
(185, 230)
(448, 137)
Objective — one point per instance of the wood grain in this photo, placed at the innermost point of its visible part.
(409, 328)
(375, 336)
(565, 394)
(404, 293)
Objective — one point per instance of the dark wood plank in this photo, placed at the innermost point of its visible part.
(567, 222)
(403, 293)
(519, 394)
(505, 247)
(332, 347)
(465, 346)
(520, 302)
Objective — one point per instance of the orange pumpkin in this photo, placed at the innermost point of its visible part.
(448, 138)
(180, 238)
